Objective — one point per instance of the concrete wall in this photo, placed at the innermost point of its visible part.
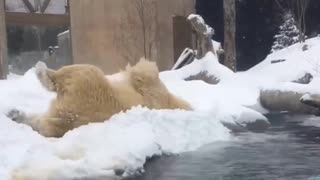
(96, 26)
(92, 24)
(182, 36)
(167, 9)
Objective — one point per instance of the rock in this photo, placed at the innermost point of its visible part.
(305, 79)
(247, 120)
(305, 47)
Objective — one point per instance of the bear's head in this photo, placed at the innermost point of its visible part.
(144, 74)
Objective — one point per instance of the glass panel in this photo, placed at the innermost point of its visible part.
(51, 7)
(30, 44)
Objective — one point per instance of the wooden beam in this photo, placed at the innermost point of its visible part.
(44, 6)
(17, 18)
(29, 6)
(3, 43)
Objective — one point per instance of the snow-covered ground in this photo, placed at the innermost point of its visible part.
(128, 139)
(297, 62)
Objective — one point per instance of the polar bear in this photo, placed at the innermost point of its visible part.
(85, 95)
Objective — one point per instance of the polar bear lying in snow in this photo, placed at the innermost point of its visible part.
(85, 95)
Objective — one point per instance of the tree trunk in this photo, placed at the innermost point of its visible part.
(229, 7)
(3, 42)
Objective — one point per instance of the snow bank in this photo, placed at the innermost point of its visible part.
(231, 99)
(232, 90)
(280, 76)
(297, 62)
(242, 89)
(25, 93)
(124, 143)
(209, 63)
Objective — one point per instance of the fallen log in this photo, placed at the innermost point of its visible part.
(288, 101)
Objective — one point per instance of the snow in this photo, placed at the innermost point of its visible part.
(221, 95)
(123, 142)
(216, 46)
(208, 63)
(242, 89)
(128, 139)
(25, 93)
(279, 76)
(297, 62)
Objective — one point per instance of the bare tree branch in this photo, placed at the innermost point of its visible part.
(138, 30)
(29, 6)
(44, 5)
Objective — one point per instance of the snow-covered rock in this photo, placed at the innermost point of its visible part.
(209, 63)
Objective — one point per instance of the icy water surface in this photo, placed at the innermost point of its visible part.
(288, 151)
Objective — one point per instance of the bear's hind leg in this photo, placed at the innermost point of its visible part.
(21, 117)
(50, 126)
(44, 125)
(45, 75)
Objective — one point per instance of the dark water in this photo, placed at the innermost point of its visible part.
(288, 151)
